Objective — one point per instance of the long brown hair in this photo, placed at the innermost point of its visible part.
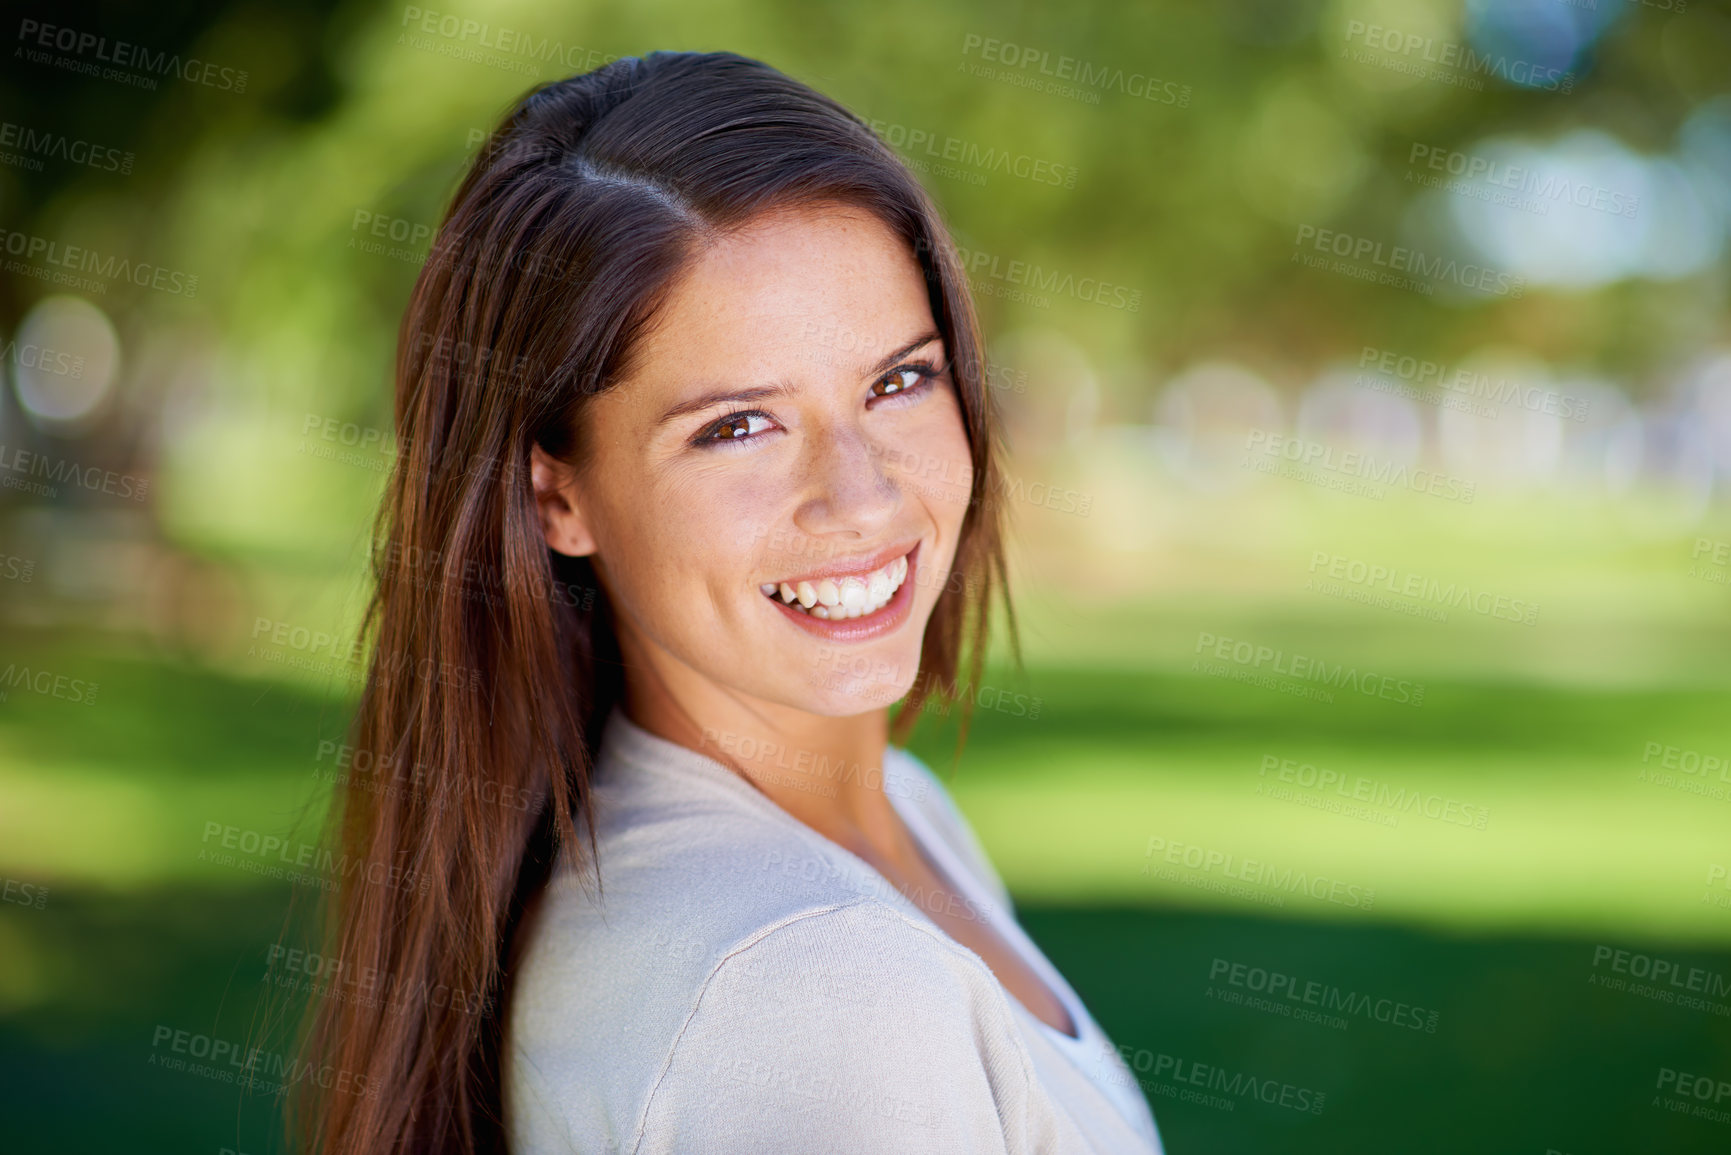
(494, 662)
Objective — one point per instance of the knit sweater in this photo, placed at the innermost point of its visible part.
(741, 984)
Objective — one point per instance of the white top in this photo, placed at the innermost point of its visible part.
(743, 984)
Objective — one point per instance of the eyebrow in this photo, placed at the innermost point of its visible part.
(781, 389)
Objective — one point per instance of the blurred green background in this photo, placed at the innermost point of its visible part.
(204, 270)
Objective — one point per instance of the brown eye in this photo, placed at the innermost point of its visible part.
(897, 381)
(738, 427)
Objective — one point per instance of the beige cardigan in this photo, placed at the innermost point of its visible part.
(744, 985)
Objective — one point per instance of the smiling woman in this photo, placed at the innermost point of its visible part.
(741, 919)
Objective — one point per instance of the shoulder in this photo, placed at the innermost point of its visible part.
(682, 874)
(731, 956)
(863, 1025)
(855, 1020)
(861, 957)
(707, 901)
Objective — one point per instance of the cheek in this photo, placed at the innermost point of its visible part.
(939, 466)
(689, 538)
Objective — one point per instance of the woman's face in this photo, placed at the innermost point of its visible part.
(789, 429)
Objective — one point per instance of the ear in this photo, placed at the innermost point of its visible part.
(557, 505)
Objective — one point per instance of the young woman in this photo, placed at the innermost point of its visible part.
(696, 481)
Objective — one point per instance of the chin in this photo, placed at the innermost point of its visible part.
(843, 685)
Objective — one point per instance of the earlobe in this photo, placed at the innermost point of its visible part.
(558, 505)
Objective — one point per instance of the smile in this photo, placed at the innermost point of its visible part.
(840, 597)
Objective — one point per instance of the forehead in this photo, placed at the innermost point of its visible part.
(822, 284)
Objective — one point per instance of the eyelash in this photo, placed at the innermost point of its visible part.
(928, 372)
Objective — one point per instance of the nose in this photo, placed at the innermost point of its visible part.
(847, 489)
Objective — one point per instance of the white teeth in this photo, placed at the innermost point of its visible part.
(835, 600)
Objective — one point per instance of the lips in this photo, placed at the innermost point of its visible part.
(842, 623)
(843, 597)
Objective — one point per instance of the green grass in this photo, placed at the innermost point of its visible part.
(1527, 1054)
(118, 795)
(1573, 838)
(1494, 929)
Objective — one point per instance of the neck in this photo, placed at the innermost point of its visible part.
(825, 771)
